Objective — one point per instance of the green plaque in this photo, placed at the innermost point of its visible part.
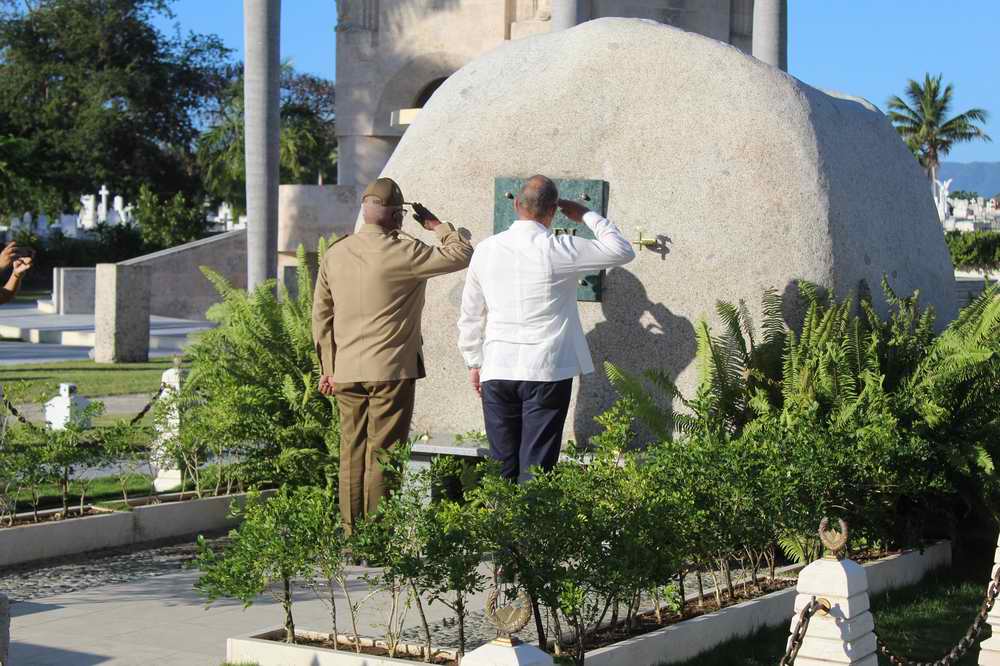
(591, 193)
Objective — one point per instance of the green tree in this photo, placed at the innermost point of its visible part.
(924, 124)
(274, 545)
(96, 94)
(171, 222)
(308, 151)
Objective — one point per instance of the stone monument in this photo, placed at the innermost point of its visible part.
(506, 649)
(168, 475)
(121, 313)
(940, 191)
(749, 179)
(88, 213)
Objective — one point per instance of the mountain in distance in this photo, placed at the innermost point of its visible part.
(981, 177)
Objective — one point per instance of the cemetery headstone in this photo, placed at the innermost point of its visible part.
(66, 408)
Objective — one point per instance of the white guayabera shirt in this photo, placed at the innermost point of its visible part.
(519, 318)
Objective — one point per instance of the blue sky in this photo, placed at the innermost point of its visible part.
(861, 47)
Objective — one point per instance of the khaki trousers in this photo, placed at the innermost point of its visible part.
(374, 416)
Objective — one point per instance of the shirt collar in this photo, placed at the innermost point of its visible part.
(372, 229)
(530, 225)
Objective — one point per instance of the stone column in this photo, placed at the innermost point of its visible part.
(167, 474)
(567, 13)
(770, 32)
(121, 311)
(262, 71)
(4, 629)
(845, 635)
(989, 650)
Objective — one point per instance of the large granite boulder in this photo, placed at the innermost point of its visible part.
(753, 179)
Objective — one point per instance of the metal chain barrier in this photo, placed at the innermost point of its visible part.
(10, 407)
(149, 405)
(799, 635)
(964, 644)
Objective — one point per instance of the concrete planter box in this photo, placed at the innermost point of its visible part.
(262, 649)
(678, 642)
(28, 543)
(686, 640)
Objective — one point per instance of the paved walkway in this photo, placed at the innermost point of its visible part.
(155, 616)
(34, 336)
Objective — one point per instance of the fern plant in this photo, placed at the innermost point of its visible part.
(253, 384)
(732, 368)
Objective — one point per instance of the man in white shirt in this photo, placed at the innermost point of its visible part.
(519, 327)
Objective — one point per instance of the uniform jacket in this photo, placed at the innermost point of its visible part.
(369, 297)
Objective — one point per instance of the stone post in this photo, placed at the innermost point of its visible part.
(66, 408)
(845, 634)
(167, 474)
(4, 629)
(121, 311)
(770, 32)
(989, 650)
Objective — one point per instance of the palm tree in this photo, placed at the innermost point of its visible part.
(922, 123)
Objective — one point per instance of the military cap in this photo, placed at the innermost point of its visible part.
(386, 191)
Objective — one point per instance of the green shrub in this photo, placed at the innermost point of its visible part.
(275, 544)
(252, 392)
(974, 251)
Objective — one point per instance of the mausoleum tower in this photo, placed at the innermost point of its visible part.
(393, 54)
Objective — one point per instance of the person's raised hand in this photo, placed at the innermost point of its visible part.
(425, 218)
(22, 266)
(8, 255)
(573, 210)
(326, 385)
(474, 380)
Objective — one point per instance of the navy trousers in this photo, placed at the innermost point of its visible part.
(524, 423)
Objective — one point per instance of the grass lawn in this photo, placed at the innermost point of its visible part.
(922, 622)
(41, 380)
(101, 489)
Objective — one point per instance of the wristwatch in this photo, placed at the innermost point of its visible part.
(473, 367)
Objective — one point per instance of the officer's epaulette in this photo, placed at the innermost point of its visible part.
(331, 243)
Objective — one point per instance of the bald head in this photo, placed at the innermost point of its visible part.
(373, 211)
(537, 200)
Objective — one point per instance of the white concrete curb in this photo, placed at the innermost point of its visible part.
(261, 648)
(28, 543)
(676, 643)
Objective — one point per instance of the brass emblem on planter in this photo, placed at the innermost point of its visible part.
(834, 541)
(508, 619)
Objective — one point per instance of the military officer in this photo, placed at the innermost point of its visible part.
(366, 327)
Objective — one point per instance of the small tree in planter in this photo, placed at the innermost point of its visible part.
(119, 443)
(275, 544)
(395, 538)
(330, 571)
(454, 550)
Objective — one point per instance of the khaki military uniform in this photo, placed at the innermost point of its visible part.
(366, 326)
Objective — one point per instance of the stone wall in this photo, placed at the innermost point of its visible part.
(178, 287)
(73, 290)
(750, 178)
